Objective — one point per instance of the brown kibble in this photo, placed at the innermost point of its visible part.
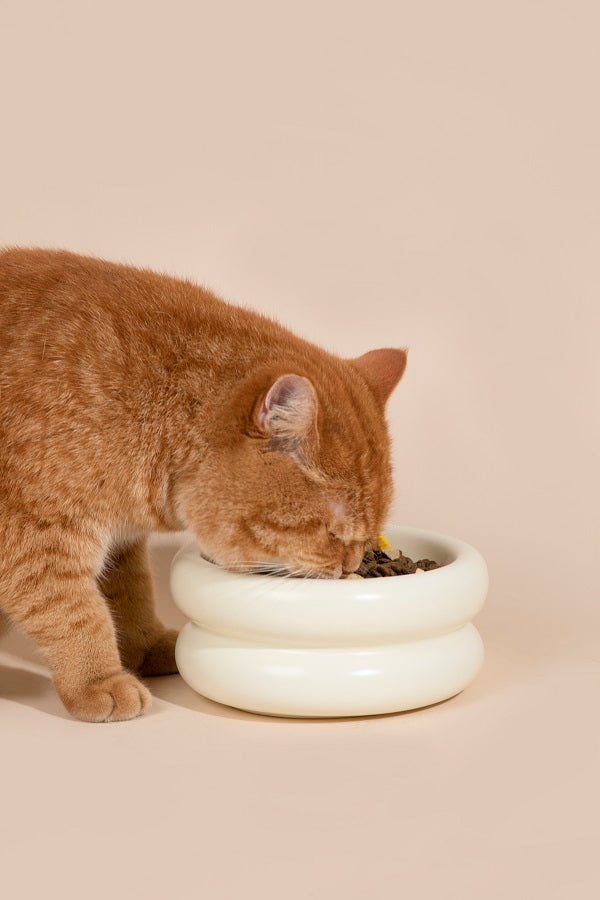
(378, 564)
(391, 553)
(427, 564)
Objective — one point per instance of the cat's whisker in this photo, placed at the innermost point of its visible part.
(277, 570)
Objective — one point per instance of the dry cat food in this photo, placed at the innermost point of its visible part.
(387, 560)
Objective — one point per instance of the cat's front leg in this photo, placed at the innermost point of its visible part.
(50, 590)
(145, 645)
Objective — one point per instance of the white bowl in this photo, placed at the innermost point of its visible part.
(324, 647)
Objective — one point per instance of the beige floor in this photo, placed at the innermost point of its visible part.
(384, 173)
(491, 794)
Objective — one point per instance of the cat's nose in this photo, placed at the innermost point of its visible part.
(352, 559)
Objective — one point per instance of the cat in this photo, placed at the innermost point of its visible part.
(132, 402)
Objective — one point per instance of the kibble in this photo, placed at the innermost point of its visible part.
(387, 560)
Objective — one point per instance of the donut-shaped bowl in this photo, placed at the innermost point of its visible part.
(312, 647)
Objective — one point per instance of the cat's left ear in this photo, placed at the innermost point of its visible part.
(382, 369)
(288, 412)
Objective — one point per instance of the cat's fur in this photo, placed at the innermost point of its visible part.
(132, 402)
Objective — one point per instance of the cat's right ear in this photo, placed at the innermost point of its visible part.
(287, 413)
(382, 369)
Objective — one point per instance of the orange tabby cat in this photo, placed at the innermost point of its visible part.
(131, 402)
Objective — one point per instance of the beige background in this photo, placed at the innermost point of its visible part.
(421, 173)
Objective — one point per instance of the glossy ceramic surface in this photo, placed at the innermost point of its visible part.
(319, 647)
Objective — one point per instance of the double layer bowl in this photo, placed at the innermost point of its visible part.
(312, 647)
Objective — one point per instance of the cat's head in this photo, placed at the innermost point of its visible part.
(298, 475)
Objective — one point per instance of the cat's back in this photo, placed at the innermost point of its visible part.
(49, 287)
(28, 275)
(37, 281)
(66, 289)
(33, 266)
(77, 327)
(86, 302)
(80, 301)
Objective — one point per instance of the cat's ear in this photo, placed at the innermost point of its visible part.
(288, 411)
(382, 369)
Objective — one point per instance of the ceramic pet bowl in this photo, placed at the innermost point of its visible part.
(320, 647)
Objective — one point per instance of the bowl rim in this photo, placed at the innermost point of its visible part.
(463, 553)
(323, 612)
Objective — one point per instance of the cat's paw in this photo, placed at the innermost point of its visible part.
(113, 699)
(159, 659)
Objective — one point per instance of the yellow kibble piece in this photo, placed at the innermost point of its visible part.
(383, 543)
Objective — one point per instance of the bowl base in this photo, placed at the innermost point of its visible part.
(323, 682)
